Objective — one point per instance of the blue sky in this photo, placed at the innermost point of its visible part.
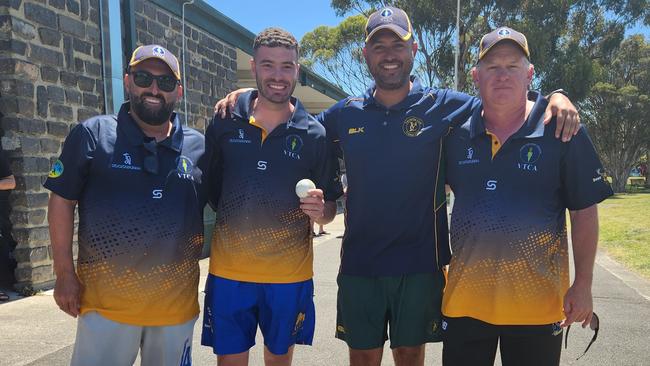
(297, 17)
(639, 28)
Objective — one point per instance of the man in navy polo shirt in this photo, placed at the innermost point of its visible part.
(513, 181)
(396, 240)
(135, 179)
(261, 262)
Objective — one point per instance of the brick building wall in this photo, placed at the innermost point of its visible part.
(51, 78)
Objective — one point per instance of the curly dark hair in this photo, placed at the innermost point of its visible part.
(276, 37)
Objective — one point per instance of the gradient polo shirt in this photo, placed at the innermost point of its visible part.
(396, 213)
(261, 234)
(508, 234)
(140, 232)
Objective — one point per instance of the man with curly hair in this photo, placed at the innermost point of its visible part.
(262, 253)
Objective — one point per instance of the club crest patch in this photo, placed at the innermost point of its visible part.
(412, 126)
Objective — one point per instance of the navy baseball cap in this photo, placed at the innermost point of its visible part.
(390, 18)
(155, 51)
(502, 34)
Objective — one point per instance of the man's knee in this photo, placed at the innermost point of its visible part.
(271, 359)
(366, 357)
(236, 359)
(409, 356)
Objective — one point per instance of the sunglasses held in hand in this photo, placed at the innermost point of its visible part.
(144, 79)
(594, 324)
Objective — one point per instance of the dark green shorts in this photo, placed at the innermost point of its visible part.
(404, 309)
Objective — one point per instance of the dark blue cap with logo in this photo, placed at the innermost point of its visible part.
(502, 34)
(390, 18)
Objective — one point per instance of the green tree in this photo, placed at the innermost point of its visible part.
(617, 108)
(336, 53)
(565, 36)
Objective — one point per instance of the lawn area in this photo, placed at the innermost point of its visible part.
(625, 230)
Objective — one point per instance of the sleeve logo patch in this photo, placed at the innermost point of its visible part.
(57, 169)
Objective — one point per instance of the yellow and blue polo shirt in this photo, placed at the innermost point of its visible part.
(261, 234)
(396, 212)
(140, 218)
(508, 227)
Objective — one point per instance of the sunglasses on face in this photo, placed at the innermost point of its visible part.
(594, 325)
(144, 79)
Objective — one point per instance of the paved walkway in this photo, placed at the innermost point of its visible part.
(34, 332)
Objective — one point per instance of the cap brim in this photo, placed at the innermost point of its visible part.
(177, 75)
(399, 31)
(486, 50)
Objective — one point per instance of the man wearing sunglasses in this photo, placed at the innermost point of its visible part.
(513, 181)
(135, 180)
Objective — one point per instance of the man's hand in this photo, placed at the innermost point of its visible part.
(578, 305)
(227, 104)
(313, 205)
(67, 293)
(568, 120)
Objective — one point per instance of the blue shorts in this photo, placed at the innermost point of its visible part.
(233, 309)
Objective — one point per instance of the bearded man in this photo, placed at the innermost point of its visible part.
(135, 180)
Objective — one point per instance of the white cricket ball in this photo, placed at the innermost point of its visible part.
(303, 186)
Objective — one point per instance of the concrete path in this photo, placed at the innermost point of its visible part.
(34, 332)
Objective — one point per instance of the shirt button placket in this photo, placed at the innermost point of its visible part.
(385, 123)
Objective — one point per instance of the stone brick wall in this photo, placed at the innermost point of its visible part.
(50, 78)
(211, 68)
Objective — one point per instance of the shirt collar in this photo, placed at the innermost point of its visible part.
(414, 96)
(299, 119)
(136, 137)
(532, 127)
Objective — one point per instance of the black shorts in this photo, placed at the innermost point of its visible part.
(468, 341)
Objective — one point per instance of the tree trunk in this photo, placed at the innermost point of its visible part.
(619, 180)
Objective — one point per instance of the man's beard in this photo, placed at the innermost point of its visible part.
(150, 116)
(393, 82)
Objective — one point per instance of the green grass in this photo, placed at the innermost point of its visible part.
(625, 230)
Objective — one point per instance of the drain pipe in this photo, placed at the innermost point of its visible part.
(185, 88)
(110, 16)
(103, 48)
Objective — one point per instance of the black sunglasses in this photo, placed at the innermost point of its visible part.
(594, 324)
(144, 79)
